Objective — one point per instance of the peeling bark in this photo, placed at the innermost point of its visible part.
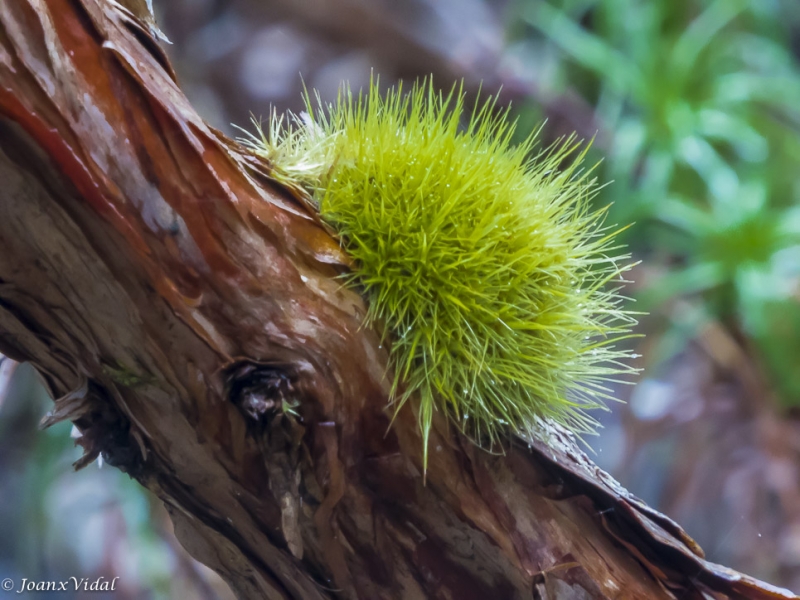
(185, 312)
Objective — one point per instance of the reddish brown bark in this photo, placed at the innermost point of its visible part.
(171, 295)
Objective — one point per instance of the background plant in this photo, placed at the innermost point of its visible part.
(699, 108)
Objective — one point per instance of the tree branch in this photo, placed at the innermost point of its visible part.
(174, 300)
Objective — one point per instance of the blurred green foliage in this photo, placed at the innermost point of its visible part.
(698, 102)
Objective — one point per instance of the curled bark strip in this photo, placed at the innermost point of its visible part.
(69, 407)
(143, 252)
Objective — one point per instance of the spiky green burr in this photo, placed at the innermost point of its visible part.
(482, 260)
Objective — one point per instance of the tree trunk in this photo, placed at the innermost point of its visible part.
(177, 303)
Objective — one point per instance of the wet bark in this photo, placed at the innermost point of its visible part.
(184, 310)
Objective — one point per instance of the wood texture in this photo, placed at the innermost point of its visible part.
(176, 302)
